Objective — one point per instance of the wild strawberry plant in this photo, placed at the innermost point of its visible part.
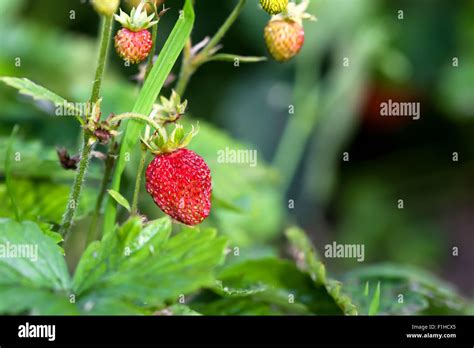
(131, 265)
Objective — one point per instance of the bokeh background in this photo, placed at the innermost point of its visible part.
(300, 154)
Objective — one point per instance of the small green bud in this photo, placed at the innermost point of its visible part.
(106, 7)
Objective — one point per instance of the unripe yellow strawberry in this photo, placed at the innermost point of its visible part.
(106, 7)
(274, 7)
(284, 39)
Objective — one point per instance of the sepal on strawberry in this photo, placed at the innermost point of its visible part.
(137, 20)
(161, 142)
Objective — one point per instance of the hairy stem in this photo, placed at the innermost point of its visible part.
(109, 165)
(88, 146)
(104, 47)
(138, 181)
(76, 189)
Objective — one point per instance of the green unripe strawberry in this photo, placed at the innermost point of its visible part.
(274, 7)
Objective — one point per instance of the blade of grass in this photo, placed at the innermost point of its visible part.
(374, 304)
(148, 94)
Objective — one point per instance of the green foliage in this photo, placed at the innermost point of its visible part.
(421, 292)
(37, 92)
(42, 200)
(35, 283)
(307, 259)
(270, 286)
(144, 266)
(8, 174)
(375, 303)
(136, 269)
(119, 199)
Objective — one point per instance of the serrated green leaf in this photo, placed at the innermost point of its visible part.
(36, 279)
(404, 290)
(44, 268)
(139, 264)
(307, 259)
(148, 94)
(35, 301)
(37, 92)
(119, 199)
(284, 287)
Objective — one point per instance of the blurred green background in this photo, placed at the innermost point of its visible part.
(300, 155)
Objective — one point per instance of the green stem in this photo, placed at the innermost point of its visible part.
(73, 201)
(223, 29)
(104, 47)
(109, 165)
(154, 33)
(187, 71)
(191, 64)
(138, 181)
(88, 146)
(135, 116)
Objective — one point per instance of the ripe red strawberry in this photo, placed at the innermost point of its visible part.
(133, 42)
(133, 46)
(180, 184)
(274, 7)
(284, 39)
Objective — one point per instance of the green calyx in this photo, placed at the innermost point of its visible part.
(101, 131)
(137, 20)
(161, 142)
(169, 111)
(295, 12)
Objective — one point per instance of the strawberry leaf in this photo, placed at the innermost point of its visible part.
(37, 92)
(33, 272)
(308, 261)
(140, 264)
(119, 199)
(404, 290)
